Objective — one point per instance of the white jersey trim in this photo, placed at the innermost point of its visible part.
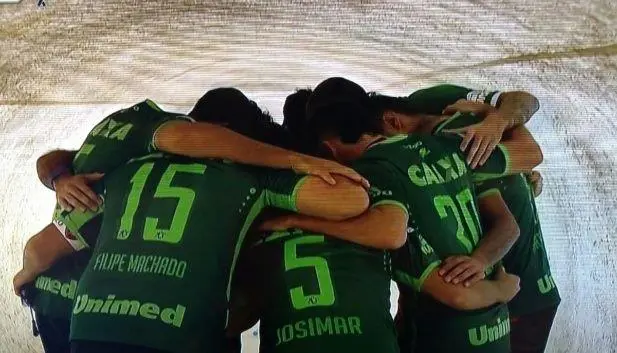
(73, 240)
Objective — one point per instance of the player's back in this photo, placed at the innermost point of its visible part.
(443, 212)
(441, 200)
(121, 136)
(160, 270)
(322, 294)
(527, 258)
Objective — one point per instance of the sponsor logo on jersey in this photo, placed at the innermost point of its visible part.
(484, 334)
(443, 171)
(48, 284)
(129, 307)
(546, 284)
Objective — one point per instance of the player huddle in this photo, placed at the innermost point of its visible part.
(175, 233)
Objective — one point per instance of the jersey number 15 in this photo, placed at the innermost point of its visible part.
(185, 197)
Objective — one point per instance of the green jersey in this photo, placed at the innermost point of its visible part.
(527, 258)
(125, 134)
(159, 274)
(119, 137)
(427, 177)
(433, 100)
(322, 294)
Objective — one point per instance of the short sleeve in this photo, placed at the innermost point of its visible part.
(387, 186)
(149, 131)
(414, 262)
(433, 100)
(79, 229)
(497, 164)
(488, 187)
(281, 188)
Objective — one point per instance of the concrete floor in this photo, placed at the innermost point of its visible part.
(65, 67)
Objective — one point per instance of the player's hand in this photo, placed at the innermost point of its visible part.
(278, 223)
(73, 191)
(326, 169)
(536, 181)
(467, 106)
(485, 136)
(462, 269)
(20, 280)
(508, 283)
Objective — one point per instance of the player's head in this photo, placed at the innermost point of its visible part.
(294, 120)
(229, 107)
(340, 114)
(397, 115)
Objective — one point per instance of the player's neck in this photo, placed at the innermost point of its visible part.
(429, 122)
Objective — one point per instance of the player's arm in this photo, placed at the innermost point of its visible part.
(54, 171)
(69, 231)
(501, 111)
(500, 233)
(417, 265)
(517, 153)
(524, 152)
(54, 164)
(41, 251)
(204, 140)
(383, 226)
(516, 108)
(335, 202)
(480, 295)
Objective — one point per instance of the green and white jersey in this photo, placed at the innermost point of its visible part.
(433, 100)
(159, 274)
(527, 258)
(119, 137)
(427, 177)
(322, 294)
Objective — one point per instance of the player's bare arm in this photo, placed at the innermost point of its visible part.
(480, 295)
(41, 251)
(501, 232)
(53, 169)
(204, 140)
(514, 109)
(53, 165)
(524, 152)
(381, 227)
(343, 200)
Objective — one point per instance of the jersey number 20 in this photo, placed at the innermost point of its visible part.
(464, 200)
(164, 189)
(299, 299)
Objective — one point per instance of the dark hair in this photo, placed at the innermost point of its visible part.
(274, 134)
(294, 110)
(294, 121)
(345, 120)
(382, 103)
(231, 108)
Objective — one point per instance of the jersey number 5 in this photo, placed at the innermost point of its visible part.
(464, 201)
(164, 189)
(299, 299)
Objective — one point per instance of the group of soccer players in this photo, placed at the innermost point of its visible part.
(175, 233)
